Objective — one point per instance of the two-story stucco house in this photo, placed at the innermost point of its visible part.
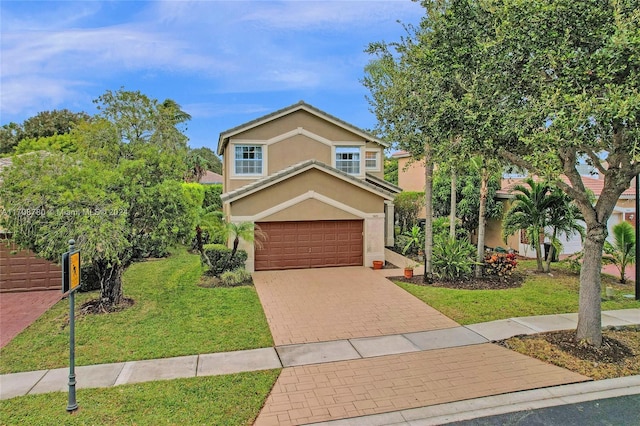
(313, 183)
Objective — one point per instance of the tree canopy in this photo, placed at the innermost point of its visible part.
(536, 83)
(120, 195)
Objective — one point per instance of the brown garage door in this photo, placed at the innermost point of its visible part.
(313, 244)
(21, 270)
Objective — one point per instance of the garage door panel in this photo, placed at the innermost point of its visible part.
(310, 244)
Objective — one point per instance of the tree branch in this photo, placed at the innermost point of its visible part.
(596, 161)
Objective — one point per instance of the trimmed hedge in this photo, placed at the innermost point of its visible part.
(220, 257)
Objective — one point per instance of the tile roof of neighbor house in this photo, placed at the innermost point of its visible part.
(296, 169)
(210, 178)
(594, 184)
(400, 154)
(301, 105)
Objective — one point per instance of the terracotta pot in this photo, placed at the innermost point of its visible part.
(408, 272)
(377, 264)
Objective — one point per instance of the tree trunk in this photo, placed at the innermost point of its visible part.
(110, 277)
(589, 315)
(539, 250)
(199, 242)
(428, 224)
(484, 191)
(552, 251)
(452, 216)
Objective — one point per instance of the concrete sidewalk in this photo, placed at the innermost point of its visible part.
(106, 375)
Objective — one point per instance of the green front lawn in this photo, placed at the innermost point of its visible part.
(220, 400)
(540, 294)
(172, 316)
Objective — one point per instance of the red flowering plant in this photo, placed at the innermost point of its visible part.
(500, 264)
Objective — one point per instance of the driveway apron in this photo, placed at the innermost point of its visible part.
(310, 306)
(19, 310)
(315, 305)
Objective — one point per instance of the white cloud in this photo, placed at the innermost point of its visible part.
(228, 46)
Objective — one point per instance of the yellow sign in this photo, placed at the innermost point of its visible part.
(74, 269)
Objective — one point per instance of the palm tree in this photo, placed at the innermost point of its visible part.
(563, 217)
(530, 212)
(247, 231)
(623, 250)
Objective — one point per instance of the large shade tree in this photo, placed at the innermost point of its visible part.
(563, 80)
(545, 82)
(119, 195)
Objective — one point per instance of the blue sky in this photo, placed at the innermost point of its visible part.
(224, 62)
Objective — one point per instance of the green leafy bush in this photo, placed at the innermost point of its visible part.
(415, 241)
(221, 261)
(401, 242)
(236, 277)
(452, 258)
(500, 264)
(407, 206)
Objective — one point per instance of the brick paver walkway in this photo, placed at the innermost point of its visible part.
(18, 310)
(336, 390)
(304, 306)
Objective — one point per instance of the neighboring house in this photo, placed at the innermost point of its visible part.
(313, 183)
(624, 210)
(411, 175)
(22, 270)
(411, 178)
(211, 178)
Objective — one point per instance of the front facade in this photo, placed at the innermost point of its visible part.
(313, 184)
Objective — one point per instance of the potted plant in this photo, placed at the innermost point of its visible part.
(378, 264)
(408, 270)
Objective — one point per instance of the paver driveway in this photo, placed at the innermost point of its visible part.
(314, 305)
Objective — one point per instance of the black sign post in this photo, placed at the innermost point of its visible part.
(71, 283)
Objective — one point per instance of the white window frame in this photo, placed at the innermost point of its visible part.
(336, 150)
(378, 161)
(249, 144)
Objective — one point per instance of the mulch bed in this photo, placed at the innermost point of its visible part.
(488, 282)
(612, 350)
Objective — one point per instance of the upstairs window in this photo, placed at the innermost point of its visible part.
(248, 159)
(371, 160)
(348, 159)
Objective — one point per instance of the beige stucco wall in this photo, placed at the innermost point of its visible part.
(310, 209)
(297, 119)
(295, 150)
(310, 180)
(410, 176)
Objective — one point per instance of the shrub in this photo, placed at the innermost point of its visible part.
(407, 207)
(220, 257)
(415, 241)
(401, 242)
(452, 258)
(500, 264)
(574, 262)
(441, 228)
(236, 277)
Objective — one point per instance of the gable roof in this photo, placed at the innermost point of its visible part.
(297, 169)
(227, 134)
(593, 184)
(388, 186)
(210, 177)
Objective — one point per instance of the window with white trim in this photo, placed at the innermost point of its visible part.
(371, 160)
(348, 159)
(248, 160)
